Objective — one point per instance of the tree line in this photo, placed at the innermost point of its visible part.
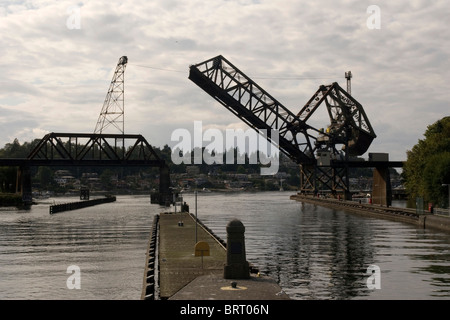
(426, 172)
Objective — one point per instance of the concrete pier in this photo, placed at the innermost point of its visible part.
(178, 264)
(184, 276)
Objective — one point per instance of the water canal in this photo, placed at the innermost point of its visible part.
(313, 252)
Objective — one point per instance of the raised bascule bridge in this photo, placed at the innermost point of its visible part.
(324, 154)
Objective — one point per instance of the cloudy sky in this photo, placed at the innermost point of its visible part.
(55, 72)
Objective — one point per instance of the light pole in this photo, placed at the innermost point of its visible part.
(196, 220)
(448, 185)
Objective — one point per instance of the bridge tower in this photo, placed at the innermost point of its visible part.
(113, 111)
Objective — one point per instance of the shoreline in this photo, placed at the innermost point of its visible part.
(406, 215)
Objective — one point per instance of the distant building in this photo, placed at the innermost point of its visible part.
(64, 180)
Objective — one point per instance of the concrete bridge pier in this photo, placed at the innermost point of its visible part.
(164, 195)
(23, 184)
(381, 188)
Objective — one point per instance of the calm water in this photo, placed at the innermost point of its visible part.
(107, 242)
(313, 252)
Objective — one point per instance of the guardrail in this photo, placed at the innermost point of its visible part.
(441, 212)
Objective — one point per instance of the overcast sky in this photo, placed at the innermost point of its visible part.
(55, 73)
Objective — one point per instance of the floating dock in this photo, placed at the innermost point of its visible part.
(175, 272)
(79, 204)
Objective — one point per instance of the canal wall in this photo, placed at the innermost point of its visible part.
(437, 222)
(150, 288)
(407, 215)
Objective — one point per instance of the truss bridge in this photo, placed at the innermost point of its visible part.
(90, 149)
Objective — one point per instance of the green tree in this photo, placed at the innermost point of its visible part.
(45, 177)
(437, 173)
(241, 169)
(106, 177)
(428, 164)
(8, 176)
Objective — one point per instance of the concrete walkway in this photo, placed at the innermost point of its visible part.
(182, 276)
(215, 287)
(177, 263)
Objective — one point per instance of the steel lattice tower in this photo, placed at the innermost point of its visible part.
(113, 111)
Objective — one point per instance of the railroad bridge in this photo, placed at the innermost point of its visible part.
(90, 149)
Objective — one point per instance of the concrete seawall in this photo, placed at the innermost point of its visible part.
(407, 215)
(437, 222)
(150, 288)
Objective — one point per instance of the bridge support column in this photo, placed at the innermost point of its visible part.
(381, 188)
(23, 184)
(307, 179)
(165, 194)
(329, 179)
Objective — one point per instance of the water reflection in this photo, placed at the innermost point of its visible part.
(313, 252)
(320, 253)
(323, 255)
(107, 242)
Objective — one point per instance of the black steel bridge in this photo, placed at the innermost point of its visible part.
(90, 149)
(323, 154)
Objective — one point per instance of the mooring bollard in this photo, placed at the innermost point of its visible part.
(236, 266)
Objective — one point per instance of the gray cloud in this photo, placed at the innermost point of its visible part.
(56, 78)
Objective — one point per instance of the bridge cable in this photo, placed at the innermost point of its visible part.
(257, 77)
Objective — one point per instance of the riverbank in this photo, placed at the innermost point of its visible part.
(407, 215)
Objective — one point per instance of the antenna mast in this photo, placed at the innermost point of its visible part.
(113, 111)
(348, 76)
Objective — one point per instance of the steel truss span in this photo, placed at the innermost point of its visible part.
(91, 149)
(82, 149)
(349, 125)
(324, 155)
